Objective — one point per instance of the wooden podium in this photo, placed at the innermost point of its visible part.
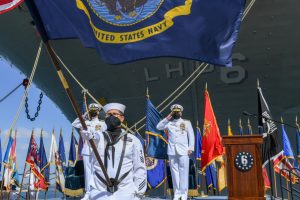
(244, 167)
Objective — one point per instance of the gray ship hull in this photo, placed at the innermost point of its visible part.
(267, 49)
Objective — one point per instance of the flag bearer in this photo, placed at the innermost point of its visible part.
(123, 158)
(180, 145)
(93, 123)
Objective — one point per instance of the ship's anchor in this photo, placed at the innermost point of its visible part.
(37, 109)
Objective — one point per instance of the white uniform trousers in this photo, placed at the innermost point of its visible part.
(87, 162)
(179, 166)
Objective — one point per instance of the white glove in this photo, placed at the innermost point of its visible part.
(86, 134)
(89, 134)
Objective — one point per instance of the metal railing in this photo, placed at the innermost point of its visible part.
(292, 187)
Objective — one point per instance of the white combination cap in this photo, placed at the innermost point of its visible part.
(176, 107)
(94, 106)
(114, 106)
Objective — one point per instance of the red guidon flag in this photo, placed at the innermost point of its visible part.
(7, 5)
(212, 146)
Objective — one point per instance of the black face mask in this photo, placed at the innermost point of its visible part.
(176, 116)
(112, 123)
(93, 113)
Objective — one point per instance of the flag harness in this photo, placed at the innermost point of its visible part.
(115, 181)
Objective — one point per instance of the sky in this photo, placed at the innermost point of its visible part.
(49, 116)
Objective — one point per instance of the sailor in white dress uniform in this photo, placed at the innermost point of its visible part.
(123, 158)
(96, 125)
(181, 142)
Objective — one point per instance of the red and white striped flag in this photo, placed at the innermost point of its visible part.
(7, 5)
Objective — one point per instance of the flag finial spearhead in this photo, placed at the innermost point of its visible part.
(147, 93)
(297, 125)
(41, 132)
(257, 82)
(205, 85)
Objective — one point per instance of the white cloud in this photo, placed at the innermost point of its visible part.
(23, 132)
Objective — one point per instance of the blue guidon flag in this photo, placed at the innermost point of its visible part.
(204, 30)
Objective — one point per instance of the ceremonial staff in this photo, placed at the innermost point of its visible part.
(36, 17)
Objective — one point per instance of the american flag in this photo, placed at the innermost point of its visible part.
(7, 5)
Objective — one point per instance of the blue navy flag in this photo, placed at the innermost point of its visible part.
(61, 152)
(72, 151)
(156, 140)
(287, 147)
(43, 178)
(198, 148)
(141, 139)
(211, 177)
(136, 29)
(156, 173)
(298, 140)
(240, 127)
(44, 165)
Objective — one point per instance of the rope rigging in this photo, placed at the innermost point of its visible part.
(24, 83)
(13, 124)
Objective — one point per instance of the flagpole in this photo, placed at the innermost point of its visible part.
(55, 183)
(287, 186)
(275, 184)
(35, 191)
(270, 175)
(2, 182)
(25, 166)
(35, 15)
(8, 195)
(9, 186)
(28, 188)
(165, 182)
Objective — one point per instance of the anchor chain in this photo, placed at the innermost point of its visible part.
(37, 109)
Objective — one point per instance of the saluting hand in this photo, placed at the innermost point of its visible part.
(170, 116)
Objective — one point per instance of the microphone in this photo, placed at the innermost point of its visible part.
(247, 113)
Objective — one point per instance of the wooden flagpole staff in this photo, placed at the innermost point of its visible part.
(35, 15)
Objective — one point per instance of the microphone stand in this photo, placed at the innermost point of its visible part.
(267, 118)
